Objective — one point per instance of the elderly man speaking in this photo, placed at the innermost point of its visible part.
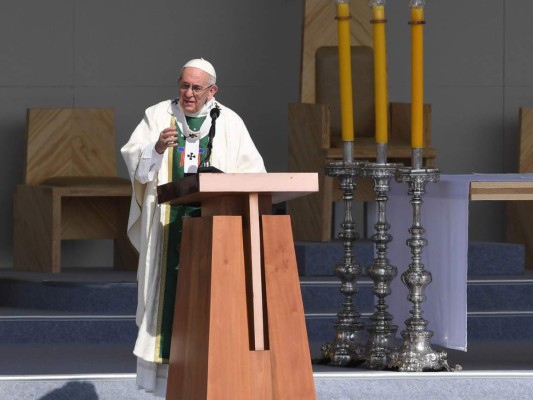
(173, 139)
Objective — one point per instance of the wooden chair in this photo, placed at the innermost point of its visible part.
(315, 137)
(70, 189)
(519, 227)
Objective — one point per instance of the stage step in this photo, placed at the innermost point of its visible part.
(491, 370)
(77, 291)
(424, 386)
(52, 326)
(484, 258)
(72, 387)
(505, 293)
(74, 332)
(480, 326)
(54, 329)
(330, 383)
(498, 308)
(320, 294)
(37, 359)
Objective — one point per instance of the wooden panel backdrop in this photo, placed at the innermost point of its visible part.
(320, 29)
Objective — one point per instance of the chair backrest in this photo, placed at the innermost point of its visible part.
(328, 88)
(320, 28)
(69, 142)
(526, 140)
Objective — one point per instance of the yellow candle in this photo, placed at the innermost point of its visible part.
(345, 70)
(417, 77)
(380, 74)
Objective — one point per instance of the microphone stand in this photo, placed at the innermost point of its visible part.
(205, 165)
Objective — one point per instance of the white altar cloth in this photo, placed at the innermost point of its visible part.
(444, 216)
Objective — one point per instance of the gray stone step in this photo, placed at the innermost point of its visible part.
(484, 258)
(26, 326)
(336, 384)
(488, 293)
(94, 297)
(481, 326)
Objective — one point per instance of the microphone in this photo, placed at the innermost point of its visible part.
(215, 113)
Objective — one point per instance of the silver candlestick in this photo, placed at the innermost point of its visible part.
(381, 332)
(348, 346)
(416, 353)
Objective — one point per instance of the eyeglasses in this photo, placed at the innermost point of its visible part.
(183, 86)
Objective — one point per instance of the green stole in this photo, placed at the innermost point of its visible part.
(172, 240)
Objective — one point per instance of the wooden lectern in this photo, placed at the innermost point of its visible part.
(239, 328)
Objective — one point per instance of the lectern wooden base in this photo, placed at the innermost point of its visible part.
(213, 355)
(239, 327)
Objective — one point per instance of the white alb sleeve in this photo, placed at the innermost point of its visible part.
(149, 164)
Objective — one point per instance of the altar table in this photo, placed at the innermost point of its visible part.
(444, 216)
